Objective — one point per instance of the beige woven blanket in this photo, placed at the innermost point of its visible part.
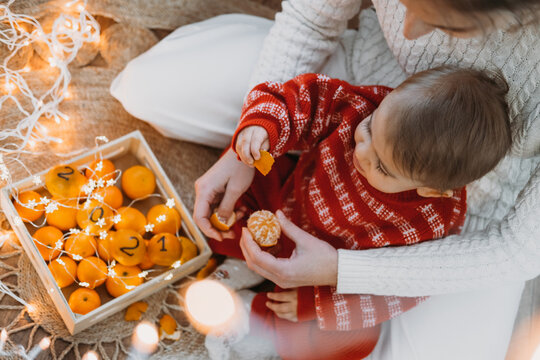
(129, 27)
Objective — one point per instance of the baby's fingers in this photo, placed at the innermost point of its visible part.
(243, 146)
(259, 137)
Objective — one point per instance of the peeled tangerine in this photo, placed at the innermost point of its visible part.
(264, 227)
(64, 181)
(220, 223)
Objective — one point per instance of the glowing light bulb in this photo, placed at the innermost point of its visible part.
(209, 304)
(45, 343)
(67, 94)
(90, 355)
(29, 307)
(32, 144)
(67, 24)
(145, 338)
(52, 61)
(80, 8)
(10, 86)
(3, 335)
(25, 69)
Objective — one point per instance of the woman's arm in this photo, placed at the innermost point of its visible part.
(305, 33)
(506, 251)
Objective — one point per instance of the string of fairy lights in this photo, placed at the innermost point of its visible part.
(73, 28)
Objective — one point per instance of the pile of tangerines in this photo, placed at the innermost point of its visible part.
(78, 241)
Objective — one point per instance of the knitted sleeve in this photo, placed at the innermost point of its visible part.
(301, 112)
(305, 33)
(505, 251)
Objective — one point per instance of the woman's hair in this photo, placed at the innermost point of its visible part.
(451, 126)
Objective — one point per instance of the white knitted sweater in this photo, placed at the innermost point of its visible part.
(501, 238)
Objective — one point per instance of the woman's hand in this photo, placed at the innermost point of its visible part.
(220, 186)
(285, 304)
(249, 142)
(313, 262)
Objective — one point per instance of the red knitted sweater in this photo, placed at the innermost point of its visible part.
(327, 197)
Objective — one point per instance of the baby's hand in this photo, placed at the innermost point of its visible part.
(250, 142)
(287, 307)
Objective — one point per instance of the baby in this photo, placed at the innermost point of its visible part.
(377, 168)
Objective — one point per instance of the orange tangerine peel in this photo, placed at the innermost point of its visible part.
(265, 162)
(167, 328)
(135, 311)
(222, 224)
(209, 268)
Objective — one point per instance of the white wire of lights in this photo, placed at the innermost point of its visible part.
(73, 27)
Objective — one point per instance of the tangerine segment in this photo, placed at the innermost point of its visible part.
(100, 169)
(128, 247)
(65, 216)
(222, 224)
(80, 246)
(49, 242)
(104, 246)
(138, 181)
(94, 217)
(164, 219)
(265, 162)
(209, 268)
(92, 270)
(131, 218)
(28, 206)
(264, 227)
(112, 196)
(63, 271)
(126, 278)
(189, 249)
(83, 300)
(164, 249)
(64, 181)
(135, 311)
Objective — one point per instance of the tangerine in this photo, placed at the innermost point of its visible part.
(64, 181)
(112, 196)
(146, 263)
(164, 219)
(124, 280)
(164, 249)
(189, 249)
(63, 271)
(128, 247)
(104, 247)
(94, 217)
(106, 172)
(65, 217)
(80, 245)
(264, 227)
(28, 206)
(92, 270)
(131, 218)
(83, 300)
(138, 181)
(167, 324)
(49, 242)
(222, 224)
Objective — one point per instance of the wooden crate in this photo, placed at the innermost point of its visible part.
(135, 149)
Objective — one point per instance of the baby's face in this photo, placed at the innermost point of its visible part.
(373, 155)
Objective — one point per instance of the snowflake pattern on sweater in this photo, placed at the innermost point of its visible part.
(327, 197)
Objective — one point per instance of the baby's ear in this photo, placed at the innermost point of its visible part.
(430, 192)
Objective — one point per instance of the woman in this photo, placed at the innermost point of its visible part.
(478, 275)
